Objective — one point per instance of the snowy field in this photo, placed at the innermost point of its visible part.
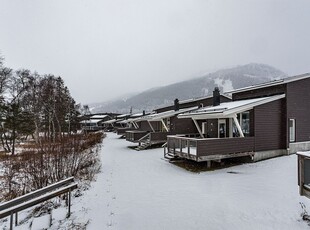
(141, 190)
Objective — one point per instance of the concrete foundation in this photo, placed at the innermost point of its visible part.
(299, 146)
(258, 156)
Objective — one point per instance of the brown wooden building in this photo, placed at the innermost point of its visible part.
(94, 122)
(261, 121)
(153, 129)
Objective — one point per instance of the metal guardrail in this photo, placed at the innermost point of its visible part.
(12, 207)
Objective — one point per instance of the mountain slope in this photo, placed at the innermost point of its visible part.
(225, 79)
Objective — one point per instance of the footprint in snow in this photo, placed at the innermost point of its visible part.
(110, 224)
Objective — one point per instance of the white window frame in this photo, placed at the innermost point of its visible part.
(292, 130)
(221, 121)
(204, 130)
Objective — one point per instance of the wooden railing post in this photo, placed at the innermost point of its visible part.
(188, 147)
(301, 174)
(196, 142)
(16, 218)
(11, 221)
(69, 203)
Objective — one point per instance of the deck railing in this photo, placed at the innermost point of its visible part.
(92, 128)
(208, 148)
(159, 136)
(122, 131)
(135, 135)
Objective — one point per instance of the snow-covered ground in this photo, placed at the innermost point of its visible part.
(141, 190)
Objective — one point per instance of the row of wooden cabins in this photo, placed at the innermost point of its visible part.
(260, 122)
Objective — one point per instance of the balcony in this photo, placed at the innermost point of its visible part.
(122, 131)
(207, 149)
(135, 135)
(92, 128)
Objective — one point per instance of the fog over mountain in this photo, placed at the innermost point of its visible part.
(225, 79)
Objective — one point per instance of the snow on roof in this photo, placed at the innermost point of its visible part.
(95, 121)
(110, 121)
(201, 98)
(304, 154)
(136, 115)
(166, 114)
(133, 117)
(272, 83)
(229, 108)
(98, 116)
(123, 115)
(194, 99)
(127, 121)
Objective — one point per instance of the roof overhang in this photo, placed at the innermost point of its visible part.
(229, 109)
(110, 121)
(167, 114)
(272, 83)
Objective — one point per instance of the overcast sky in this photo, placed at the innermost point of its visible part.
(107, 48)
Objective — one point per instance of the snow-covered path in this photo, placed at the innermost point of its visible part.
(140, 190)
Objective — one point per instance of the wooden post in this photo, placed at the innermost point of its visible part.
(301, 175)
(238, 126)
(69, 203)
(198, 128)
(166, 128)
(16, 219)
(151, 126)
(11, 221)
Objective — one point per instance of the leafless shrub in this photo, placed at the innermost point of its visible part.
(40, 165)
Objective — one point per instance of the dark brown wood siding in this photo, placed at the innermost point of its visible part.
(212, 128)
(182, 126)
(298, 107)
(157, 125)
(269, 126)
(252, 123)
(144, 126)
(203, 101)
(262, 92)
(225, 146)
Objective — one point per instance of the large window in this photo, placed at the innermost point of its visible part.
(244, 121)
(221, 128)
(292, 130)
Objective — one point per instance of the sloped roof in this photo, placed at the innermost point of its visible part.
(272, 83)
(227, 109)
(123, 115)
(166, 114)
(110, 121)
(181, 102)
(98, 117)
(95, 121)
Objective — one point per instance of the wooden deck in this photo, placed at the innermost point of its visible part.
(122, 131)
(207, 149)
(92, 128)
(135, 135)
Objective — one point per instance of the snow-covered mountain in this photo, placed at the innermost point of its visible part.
(225, 79)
